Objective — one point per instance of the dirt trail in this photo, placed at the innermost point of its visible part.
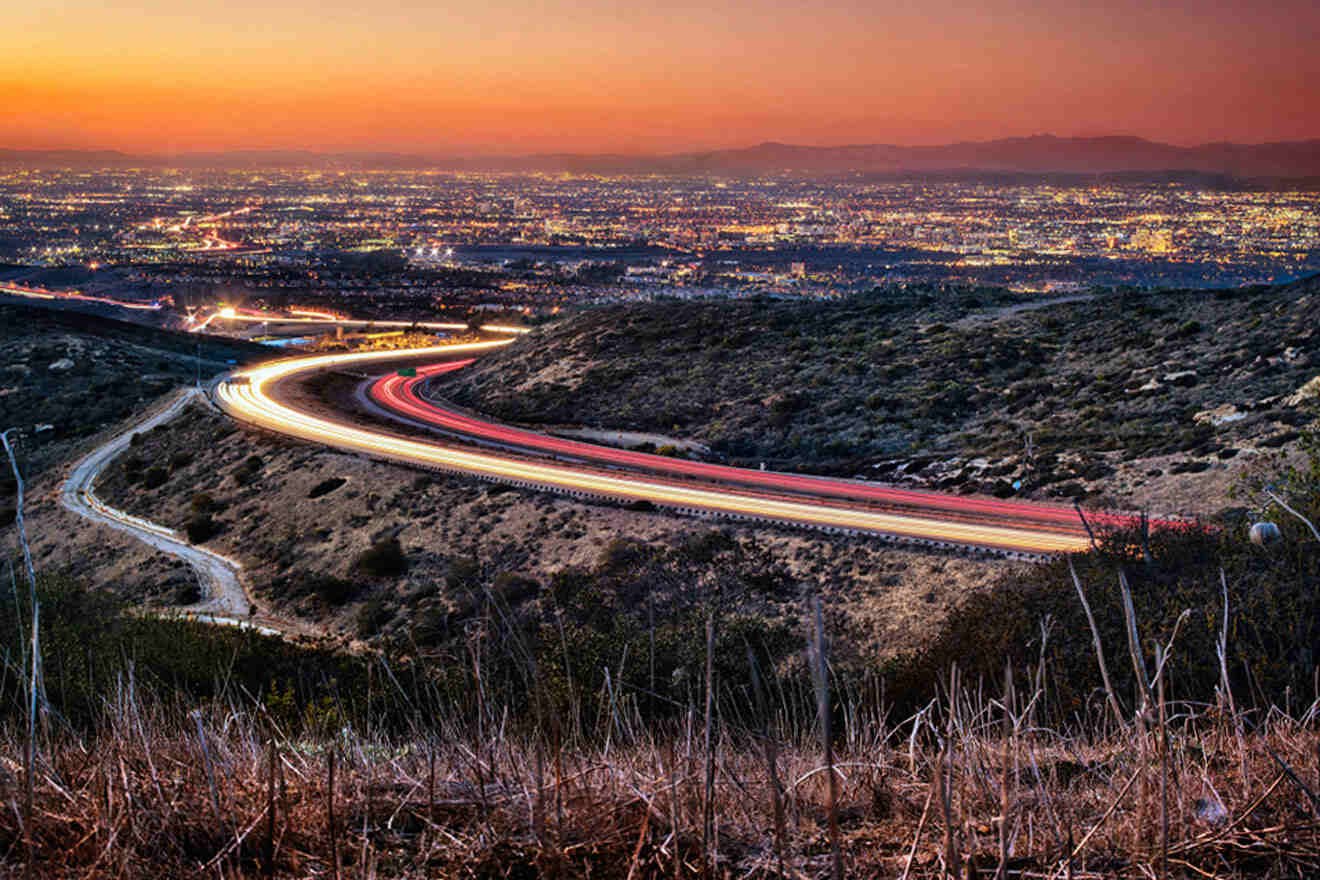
(227, 602)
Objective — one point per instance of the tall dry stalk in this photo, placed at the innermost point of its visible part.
(1005, 777)
(675, 818)
(269, 867)
(330, 809)
(1279, 501)
(944, 773)
(1225, 689)
(1139, 715)
(1114, 705)
(33, 658)
(771, 747)
(707, 798)
(820, 674)
(1164, 765)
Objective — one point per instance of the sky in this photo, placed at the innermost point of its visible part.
(513, 77)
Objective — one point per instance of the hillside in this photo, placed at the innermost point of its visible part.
(1117, 394)
(305, 522)
(66, 375)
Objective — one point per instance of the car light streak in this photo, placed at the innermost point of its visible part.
(251, 402)
(42, 293)
(303, 316)
(402, 395)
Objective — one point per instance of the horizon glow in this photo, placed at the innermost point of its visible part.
(515, 77)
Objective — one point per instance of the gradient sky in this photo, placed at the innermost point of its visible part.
(521, 76)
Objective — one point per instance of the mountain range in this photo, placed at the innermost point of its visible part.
(1038, 154)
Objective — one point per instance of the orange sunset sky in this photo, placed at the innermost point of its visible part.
(523, 76)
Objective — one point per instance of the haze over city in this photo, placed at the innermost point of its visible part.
(518, 77)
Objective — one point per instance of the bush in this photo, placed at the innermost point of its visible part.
(333, 590)
(132, 466)
(246, 472)
(201, 528)
(372, 617)
(325, 487)
(155, 477)
(180, 460)
(91, 638)
(203, 503)
(383, 558)
(513, 588)
(1274, 603)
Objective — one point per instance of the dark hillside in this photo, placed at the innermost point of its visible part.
(65, 375)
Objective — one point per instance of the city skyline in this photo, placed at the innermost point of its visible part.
(518, 78)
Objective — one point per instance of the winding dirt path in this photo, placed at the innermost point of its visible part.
(227, 602)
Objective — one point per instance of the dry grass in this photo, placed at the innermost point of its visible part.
(157, 791)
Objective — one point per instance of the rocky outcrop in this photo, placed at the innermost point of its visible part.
(1309, 391)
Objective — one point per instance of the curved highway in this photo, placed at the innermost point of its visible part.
(253, 395)
(404, 395)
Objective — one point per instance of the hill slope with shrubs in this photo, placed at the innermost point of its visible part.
(966, 390)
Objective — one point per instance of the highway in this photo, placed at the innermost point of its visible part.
(404, 396)
(227, 602)
(310, 316)
(253, 395)
(73, 295)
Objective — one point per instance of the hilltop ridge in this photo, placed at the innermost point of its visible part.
(1034, 154)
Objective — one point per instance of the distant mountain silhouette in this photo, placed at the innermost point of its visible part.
(1038, 154)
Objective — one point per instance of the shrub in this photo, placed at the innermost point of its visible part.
(383, 558)
(201, 528)
(513, 588)
(132, 466)
(325, 487)
(180, 460)
(246, 472)
(203, 503)
(333, 590)
(155, 477)
(372, 617)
